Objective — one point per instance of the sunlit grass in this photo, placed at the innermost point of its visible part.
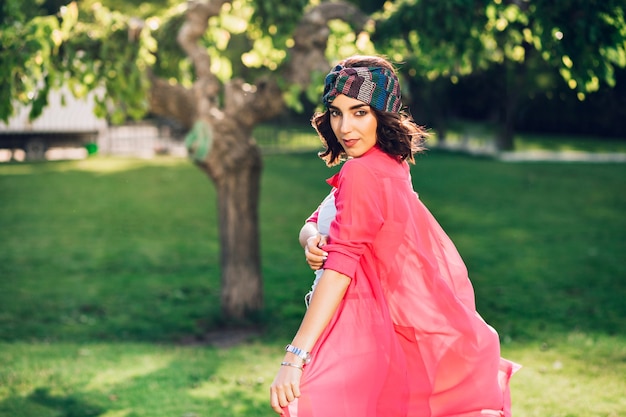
(137, 379)
(571, 375)
(99, 165)
(576, 374)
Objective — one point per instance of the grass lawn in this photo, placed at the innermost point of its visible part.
(109, 281)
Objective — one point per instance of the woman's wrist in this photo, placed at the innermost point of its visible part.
(295, 352)
(293, 365)
(290, 357)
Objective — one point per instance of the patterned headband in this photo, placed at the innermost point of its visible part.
(378, 87)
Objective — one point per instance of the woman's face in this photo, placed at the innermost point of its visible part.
(354, 124)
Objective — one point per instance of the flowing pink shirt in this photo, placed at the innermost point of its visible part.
(406, 340)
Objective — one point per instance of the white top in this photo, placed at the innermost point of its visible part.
(325, 217)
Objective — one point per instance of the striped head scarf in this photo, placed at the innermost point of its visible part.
(378, 87)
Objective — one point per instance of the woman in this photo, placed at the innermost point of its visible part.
(391, 329)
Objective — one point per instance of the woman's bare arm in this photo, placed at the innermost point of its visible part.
(328, 294)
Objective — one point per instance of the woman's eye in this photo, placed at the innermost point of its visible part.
(361, 113)
(334, 113)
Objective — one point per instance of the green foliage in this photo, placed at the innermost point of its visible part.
(292, 95)
(22, 10)
(434, 38)
(112, 52)
(11, 12)
(171, 61)
(279, 15)
(368, 6)
(243, 41)
(585, 39)
(109, 53)
(87, 50)
(26, 49)
(140, 8)
(343, 42)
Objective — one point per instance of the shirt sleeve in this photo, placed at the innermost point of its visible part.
(313, 217)
(358, 220)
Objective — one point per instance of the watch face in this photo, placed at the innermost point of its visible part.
(305, 356)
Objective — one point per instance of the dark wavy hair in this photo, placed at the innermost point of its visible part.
(397, 134)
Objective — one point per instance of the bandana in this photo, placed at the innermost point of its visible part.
(378, 87)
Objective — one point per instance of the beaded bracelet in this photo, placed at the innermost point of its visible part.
(295, 365)
(305, 356)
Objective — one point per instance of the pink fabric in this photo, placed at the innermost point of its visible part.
(406, 341)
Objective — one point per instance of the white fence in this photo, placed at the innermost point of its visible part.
(141, 140)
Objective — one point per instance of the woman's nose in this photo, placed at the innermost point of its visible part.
(346, 125)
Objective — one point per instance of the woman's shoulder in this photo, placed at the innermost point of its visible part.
(376, 162)
(356, 167)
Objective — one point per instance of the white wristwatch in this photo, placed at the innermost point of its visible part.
(305, 356)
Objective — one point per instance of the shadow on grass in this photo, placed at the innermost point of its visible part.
(42, 404)
(190, 388)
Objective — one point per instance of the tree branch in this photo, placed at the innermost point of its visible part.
(207, 86)
(311, 38)
(172, 101)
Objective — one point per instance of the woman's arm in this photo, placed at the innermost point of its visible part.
(328, 295)
(308, 230)
(312, 241)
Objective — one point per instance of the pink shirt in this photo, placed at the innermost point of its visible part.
(408, 320)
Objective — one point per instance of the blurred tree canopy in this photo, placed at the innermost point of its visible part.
(521, 46)
(443, 41)
(83, 51)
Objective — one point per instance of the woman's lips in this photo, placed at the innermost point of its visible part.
(350, 142)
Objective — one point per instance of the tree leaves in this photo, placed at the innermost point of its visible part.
(87, 50)
(26, 50)
(93, 48)
(446, 39)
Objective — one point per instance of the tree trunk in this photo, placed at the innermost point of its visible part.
(238, 201)
(437, 96)
(234, 164)
(428, 103)
(221, 143)
(506, 129)
(515, 85)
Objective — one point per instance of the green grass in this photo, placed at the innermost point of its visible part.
(109, 277)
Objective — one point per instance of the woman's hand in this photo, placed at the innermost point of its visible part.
(330, 291)
(315, 255)
(285, 388)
